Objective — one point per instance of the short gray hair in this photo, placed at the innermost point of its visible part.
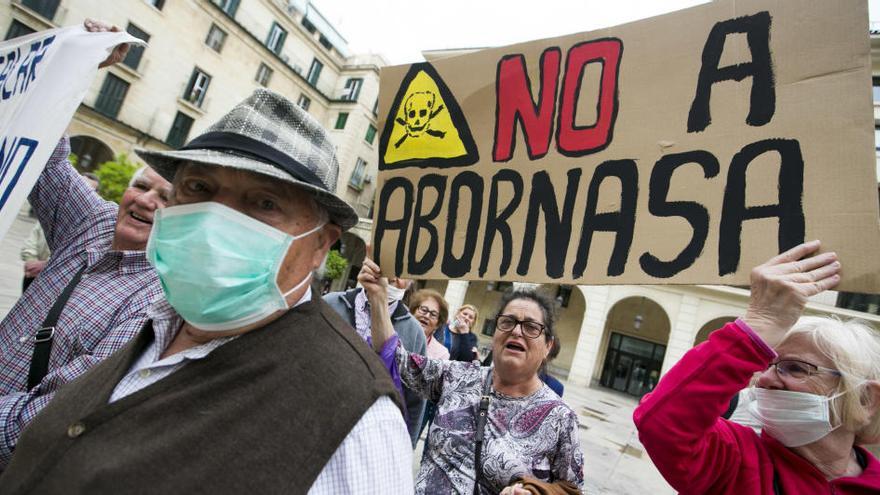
(853, 347)
(136, 175)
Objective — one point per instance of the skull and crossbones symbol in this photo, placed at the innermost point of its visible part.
(418, 112)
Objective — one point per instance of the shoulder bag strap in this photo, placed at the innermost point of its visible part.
(43, 337)
(481, 427)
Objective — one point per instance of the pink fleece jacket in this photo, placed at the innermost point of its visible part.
(699, 453)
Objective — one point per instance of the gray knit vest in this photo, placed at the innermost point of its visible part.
(260, 414)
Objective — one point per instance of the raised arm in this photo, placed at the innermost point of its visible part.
(376, 289)
(679, 422)
(420, 374)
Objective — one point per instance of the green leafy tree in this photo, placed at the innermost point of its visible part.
(115, 176)
(335, 266)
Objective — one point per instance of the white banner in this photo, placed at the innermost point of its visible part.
(43, 78)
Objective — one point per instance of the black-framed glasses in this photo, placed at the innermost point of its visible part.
(428, 312)
(531, 329)
(800, 370)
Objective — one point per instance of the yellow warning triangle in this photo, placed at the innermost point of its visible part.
(425, 126)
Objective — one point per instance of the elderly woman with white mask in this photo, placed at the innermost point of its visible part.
(817, 397)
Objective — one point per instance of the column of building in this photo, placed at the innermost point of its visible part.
(592, 326)
(682, 332)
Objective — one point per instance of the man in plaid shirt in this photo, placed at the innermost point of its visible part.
(108, 306)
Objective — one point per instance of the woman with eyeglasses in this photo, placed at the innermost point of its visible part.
(817, 398)
(430, 308)
(496, 428)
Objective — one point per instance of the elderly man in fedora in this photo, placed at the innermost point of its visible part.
(242, 381)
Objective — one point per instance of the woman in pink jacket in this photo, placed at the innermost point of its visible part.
(817, 396)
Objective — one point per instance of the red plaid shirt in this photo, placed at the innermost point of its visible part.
(105, 311)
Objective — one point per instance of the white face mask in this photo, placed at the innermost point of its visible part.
(793, 418)
(395, 293)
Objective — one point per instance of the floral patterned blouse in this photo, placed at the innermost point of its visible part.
(534, 436)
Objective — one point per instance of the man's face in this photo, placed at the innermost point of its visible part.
(268, 200)
(139, 202)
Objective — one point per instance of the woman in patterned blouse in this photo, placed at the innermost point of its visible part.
(529, 431)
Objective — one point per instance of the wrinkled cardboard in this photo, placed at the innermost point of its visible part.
(821, 67)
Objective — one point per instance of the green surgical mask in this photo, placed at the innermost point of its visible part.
(219, 267)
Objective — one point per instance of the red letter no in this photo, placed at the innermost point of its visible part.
(513, 93)
(578, 141)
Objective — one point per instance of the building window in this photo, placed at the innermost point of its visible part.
(866, 303)
(325, 42)
(341, 119)
(276, 38)
(179, 130)
(876, 87)
(228, 6)
(376, 106)
(563, 295)
(197, 87)
(17, 29)
(45, 8)
(314, 72)
(499, 286)
(157, 3)
(111, 95)
(216, 38)
(357, 176)
(489, 327)
(309, 26)
(135, 52)
(304, 102)
(371, 134)
(877, 138)
(264, 73)
(352, 89)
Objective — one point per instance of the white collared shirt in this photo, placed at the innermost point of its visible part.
(376, 454)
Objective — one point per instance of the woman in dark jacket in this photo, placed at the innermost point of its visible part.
(464, 342)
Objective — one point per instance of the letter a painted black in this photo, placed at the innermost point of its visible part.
(789, 210)
(383, 224)
(763, 96)
(621, 222)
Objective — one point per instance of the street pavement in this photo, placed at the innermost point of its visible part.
(615, 462)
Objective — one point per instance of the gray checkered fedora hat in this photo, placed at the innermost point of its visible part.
(267, 134)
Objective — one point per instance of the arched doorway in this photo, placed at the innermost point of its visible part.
(90, 152)
(710, 327)
(635, 338)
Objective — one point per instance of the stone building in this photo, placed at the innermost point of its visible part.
(203, 57)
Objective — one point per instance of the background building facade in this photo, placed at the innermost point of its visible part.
(204, 56)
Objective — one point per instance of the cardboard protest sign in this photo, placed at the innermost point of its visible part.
(43, 78)
(685, 148)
